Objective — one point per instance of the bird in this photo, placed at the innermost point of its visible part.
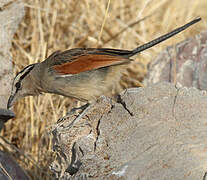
(81, 73)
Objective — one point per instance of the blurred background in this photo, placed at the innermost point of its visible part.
(51, 25)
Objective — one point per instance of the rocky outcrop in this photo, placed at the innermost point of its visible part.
(164, 139)
(11, 13)
(184, 63)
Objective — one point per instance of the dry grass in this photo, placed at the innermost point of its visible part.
(50, 25)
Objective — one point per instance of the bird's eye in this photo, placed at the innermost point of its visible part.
(17, 85)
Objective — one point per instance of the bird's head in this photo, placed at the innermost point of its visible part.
(22, 85)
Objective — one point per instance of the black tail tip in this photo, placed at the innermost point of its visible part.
(197, 19)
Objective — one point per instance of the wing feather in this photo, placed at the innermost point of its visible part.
(89, 62)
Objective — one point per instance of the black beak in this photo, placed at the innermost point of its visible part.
(9, 104)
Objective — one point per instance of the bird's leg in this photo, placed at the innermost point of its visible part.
(120, 100)
(84, 109)
(78, 108)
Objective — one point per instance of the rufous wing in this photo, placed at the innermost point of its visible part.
(89, 62)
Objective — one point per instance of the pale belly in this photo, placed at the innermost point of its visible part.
(87, 86)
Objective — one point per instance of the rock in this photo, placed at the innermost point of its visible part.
(5, 115)
(164, 139)
(11, 13)
(9, 169)
(184, 63)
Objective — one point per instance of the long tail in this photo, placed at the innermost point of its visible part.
(163, 37)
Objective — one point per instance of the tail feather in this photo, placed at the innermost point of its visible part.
(163, 37)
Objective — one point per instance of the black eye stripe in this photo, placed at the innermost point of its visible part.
(27, 70)
(30, 67)
(18, 85)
